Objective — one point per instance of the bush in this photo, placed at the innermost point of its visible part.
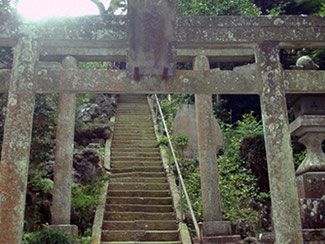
(49, 237)
(242, 201)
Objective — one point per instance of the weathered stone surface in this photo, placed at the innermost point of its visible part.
(191, 32)
(311, 185)
(86, 164)
(285, 208)
(185, 125)
(151, 27)
(242, 80)
(310, 236)
(312, 213)
(310, 105)
(311, 132)
(16, 141)
(211, 201)
(228, 239)
(216, 228)
(61, 204)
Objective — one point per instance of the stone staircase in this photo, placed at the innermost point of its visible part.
(139, 206)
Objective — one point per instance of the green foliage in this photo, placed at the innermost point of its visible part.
(322, 9)
(163, 140)
(219, 7)
(181, 141)
(38, 201)
(84, 202)
(241, 198)
(277, 8)
(44, 127)
(49, 237)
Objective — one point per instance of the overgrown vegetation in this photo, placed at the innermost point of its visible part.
(49, 237)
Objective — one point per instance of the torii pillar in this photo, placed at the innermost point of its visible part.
(61, 204)
(16, 141)
(214, 228)
(284, 196)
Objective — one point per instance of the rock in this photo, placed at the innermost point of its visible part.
(99, 109)
(86, 164)
(93, 133)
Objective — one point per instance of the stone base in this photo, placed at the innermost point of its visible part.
(311, 185)
(230, 239)
(70, 229)
(312, 212)
(310, 236)
(216, 228)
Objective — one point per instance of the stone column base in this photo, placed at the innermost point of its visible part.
(70, 229)
(229, 239)
(310, 236)
(311, 185)
(217, 228)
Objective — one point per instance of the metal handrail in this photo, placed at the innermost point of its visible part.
(196, 226)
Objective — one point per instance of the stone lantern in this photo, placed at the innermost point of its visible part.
(309, 127)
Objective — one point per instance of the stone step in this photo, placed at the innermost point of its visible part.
(138, 208)
(126, 164)
(138, 193)
(149, 235)
(138, 186)
(138, 174)
(134, 143)
(154, 154)
(127, 141)
(138, 216)
(131, 119)
(134, 132)
(136, 169)
(139, 200)
(135, 123)
(140, 225)
(133, 112)
(132, 107)
(134, 127)
(145, 116)
(140, 242)
(140, 179)
(135, 158)
(135, 137)
(132, 149)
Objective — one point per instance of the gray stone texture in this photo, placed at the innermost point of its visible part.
(211, 201)
(310, 130)
(311, 185)
(152, 36)
(61, 204)
(312, 213)
(185, 124)
(217, 228)
(284, 196)
(16, 141)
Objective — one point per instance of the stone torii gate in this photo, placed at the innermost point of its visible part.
(106, 38)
